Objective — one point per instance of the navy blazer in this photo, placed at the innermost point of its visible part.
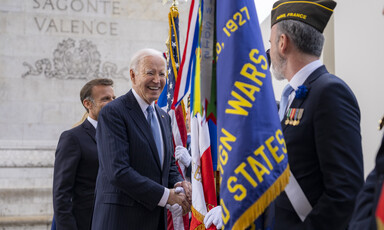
(324, 154)
(74, 178)
(131, 182)
(365, 209)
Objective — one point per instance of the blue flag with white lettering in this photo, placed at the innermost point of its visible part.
(253, 160)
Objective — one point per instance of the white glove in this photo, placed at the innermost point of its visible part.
(214, 216)
(182, 155)
(175, 209)
(179, 190)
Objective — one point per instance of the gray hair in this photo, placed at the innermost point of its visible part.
(139, 55)
(306, 38)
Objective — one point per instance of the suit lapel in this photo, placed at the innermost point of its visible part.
(138, 117)
(297, 102)
(89, 129)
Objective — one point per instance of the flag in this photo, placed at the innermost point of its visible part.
(203, 187)
(200, 69)
(166, 98)
(253, 161)
(208, 73)
(380, 210)
(187, 62)
(179, 131)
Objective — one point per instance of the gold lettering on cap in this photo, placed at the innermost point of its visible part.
(280, 16)
(297, 15)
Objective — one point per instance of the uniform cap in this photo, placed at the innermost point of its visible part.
(315, 13)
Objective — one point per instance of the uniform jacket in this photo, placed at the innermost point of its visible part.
(131, 182)
(366, 204)
(74, 179)
(325, 155)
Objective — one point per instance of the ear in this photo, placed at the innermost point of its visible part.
(283, 44)
(88, 104)
(133, 76)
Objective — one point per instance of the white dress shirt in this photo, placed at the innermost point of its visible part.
(92, 121)
(299, 78)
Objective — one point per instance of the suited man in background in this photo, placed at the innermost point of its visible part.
(320, 119)
(137, 166)
(76, 161)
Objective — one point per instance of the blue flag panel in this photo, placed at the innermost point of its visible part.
(253, 161)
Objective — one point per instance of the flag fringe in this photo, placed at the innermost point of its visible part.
(262, 203)
(197, 214)
(199, 217)
(380, 224)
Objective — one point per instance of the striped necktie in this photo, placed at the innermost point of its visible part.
(284, 100)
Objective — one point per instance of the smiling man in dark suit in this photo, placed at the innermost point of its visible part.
(137, 166)
(76, 161)
(320, 119)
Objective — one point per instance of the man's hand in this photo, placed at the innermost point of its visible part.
(179, 198)
(214, 216)
(175, 209)
(182, 155)
(187, 188)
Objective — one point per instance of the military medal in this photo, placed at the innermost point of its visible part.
(299, 116)
(292, 116)
(288, 114)
(295, 121)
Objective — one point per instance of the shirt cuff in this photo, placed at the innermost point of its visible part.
(164, 198)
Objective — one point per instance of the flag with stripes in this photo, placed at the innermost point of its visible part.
(200, 70)
(186, 66)
(165, 101)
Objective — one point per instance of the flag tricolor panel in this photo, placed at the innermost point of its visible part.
(203, 186)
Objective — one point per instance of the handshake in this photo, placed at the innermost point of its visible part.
(180, 198)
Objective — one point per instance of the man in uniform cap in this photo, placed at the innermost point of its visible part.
(320, 119)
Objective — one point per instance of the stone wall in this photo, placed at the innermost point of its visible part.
(51, 48)
(26, 184)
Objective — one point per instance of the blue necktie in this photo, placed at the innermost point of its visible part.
(152, 121)
(284, 100)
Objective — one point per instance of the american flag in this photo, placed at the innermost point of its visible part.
(173, 62)
(166, 98)
(165, 101)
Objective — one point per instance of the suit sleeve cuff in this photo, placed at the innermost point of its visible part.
(164, 198)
